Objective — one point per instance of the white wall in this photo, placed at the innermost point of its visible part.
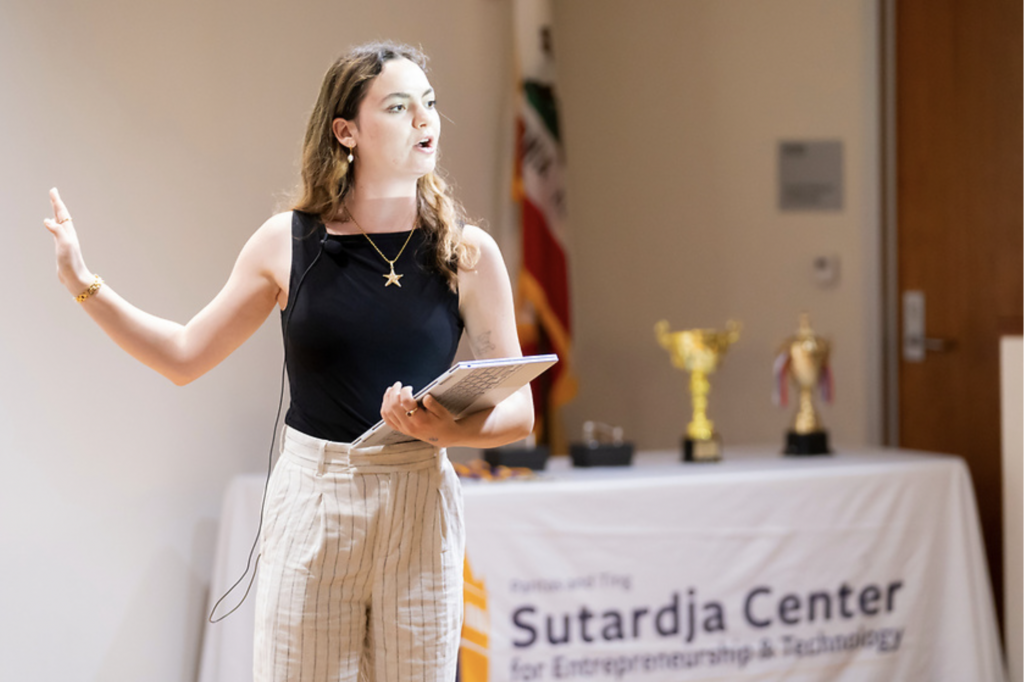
(672, 115)
(1011, 369)
(172, 130)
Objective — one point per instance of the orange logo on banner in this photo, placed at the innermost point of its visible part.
(476, 627)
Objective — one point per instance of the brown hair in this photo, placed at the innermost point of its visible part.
(327, 175)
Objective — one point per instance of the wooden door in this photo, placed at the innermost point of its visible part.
(958, 220)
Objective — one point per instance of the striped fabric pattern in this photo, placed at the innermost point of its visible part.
(361, 565)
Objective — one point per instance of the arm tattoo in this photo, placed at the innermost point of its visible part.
(483, 343)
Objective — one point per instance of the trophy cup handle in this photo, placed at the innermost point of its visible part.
(662, 334)
(733, 329)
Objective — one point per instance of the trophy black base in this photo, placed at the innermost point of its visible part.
(807, 444)
(601, 455)
(535, 458)
(702, 450)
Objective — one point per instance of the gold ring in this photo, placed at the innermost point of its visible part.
(411, 412)
(66, 220)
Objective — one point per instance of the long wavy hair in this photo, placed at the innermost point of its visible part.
(327, 176)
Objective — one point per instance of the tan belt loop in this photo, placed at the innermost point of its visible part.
(321, 459)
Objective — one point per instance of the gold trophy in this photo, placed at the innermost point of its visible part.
(698, 351)
(804, 361)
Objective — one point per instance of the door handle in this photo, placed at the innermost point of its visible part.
(915, 344)
(933, 345)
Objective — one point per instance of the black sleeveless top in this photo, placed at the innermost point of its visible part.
(349, 337)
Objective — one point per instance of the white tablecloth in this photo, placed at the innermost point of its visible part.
(861, 566)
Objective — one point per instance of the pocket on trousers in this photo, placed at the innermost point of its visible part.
(441, 514)
(449, 511)
(275, 498)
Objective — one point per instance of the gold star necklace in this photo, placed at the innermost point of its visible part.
(391, 277)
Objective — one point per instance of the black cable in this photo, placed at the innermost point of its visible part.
(293, 298)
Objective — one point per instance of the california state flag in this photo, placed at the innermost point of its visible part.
(542, 292)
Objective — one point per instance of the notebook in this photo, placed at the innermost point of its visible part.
(465, 388)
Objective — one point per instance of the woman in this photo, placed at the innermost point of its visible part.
(376, 277)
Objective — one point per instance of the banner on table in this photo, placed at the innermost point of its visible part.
(608, 625)
(692, 578)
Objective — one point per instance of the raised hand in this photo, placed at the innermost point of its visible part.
(71, 269)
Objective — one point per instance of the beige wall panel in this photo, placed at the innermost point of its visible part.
(1012, 397)
(673, 112)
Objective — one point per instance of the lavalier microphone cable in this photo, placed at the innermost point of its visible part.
(333, 248)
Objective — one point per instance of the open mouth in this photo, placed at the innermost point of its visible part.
(426, 143)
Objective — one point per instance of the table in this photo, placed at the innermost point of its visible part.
(866, 565)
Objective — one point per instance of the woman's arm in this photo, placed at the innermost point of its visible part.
(485, 300)
(183, 353)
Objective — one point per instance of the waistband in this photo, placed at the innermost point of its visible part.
(326, 455)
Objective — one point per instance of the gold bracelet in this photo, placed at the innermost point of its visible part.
(97, 282)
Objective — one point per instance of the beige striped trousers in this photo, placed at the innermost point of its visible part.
(360, 575)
